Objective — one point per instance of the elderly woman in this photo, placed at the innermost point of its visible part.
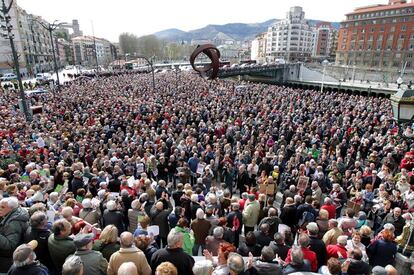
(166, 268)
(382, 251)
(89, 214)
(108, 242)
(147, 245)
(355, 242)
(224, 251)
(135, 215)
(322, 221)
(204, 267)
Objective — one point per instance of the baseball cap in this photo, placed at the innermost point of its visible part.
(23, 251)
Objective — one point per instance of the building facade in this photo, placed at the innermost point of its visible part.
(325, 41)
(258, 48)
(32, 41)
(292, 38)
(88, 50)
(379, 36)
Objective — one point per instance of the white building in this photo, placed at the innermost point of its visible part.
(258, 48)
(292, 38)
(84, 48)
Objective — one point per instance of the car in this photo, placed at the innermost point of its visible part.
(43, 77)
(8, 77)
(38, 91)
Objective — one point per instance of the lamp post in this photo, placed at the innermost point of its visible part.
(152, 69)
(50, 27)
(6, 17)
(324, 64)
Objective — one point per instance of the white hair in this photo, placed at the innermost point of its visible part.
(72, 265)
(87, 203)
(203, 267)
(194, 197)
(200, 214)
(218, 232)
(12, 202)
(342, 239)
(111, 205)
(174, 237)
(127, 269)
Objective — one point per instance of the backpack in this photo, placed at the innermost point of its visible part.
(307, 217)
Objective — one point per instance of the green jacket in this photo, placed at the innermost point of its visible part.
(60, 248)
(93, 262)
(12, 228)
(251, 213)
(188, 241)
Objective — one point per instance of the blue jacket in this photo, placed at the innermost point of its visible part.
(381, 253)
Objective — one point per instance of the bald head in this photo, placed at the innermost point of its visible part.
(126, 239)
(159, 205)
(391, 270)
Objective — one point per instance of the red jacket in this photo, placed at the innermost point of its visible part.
(333, 251)
(331, 210)
(307, 255)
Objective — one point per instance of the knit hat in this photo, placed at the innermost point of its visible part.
(23, 251)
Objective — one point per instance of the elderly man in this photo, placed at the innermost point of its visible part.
(60, 244)
(213, 242)
(272, 220)
(263, 238)
(201, 228)
(395, 219)
(94, 262)
(316, 244)
(73, 266)
(338, 250)
(235, 263)
(174, 254)
(333, 233)
(266, 264)
(159, 216)
(128, 253)
(24, 261)
(250, 213)
(128, 268)
(13, 224)
(38, 231)
(308, 254)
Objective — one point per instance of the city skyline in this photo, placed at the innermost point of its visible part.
(109, 21)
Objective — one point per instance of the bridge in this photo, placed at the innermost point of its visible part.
(298, 76)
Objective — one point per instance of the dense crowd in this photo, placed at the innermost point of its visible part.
(113, 177)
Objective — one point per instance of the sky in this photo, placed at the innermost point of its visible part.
(142, 17)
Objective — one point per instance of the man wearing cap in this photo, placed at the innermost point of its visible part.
(250, 213)
(93, 261)
(24, 261)
(316, 244)
(13, 223)
(77, 182)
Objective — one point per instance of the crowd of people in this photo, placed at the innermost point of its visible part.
(200, 177)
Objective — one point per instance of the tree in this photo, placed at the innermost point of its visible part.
(149, 45)
(128, 42)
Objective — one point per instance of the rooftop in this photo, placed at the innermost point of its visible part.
(380, 7)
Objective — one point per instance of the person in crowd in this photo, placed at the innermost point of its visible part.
(266, 264)
(382, 251)
(159, 216)
(316, 244)
(24, 261)
(13, 224)
(249, 246)
(213, 242)
(174, 254)
(107, 243)
(147, 245)
(262, 235)
(89, 214)
(60, 243)
(298, 263)
(166, 268)
(225, 250)
(338, 250)
(94, 262)
(333, 233)
(278, 245)
(113, 216)
(203, 267)
(128, 253)
(128, 268)
(251, 213)
(234, 221)
(308, 254)
(183, 227)
(72, 266)
(355, 265)
(348, 223)
(272, 220)
(201, 228)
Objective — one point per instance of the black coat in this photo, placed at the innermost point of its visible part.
(279, 249)
(319, 247)
(265, 268)
(358, 268)
(381, 253)
(42, 249)
(35, 268)
(288, 216)
(114, 217)
(181, 260)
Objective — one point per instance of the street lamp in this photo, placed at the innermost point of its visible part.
(51, 27)
(402, 104)
(324, 64)
(152, 69)
(399, 82)
(6, 17)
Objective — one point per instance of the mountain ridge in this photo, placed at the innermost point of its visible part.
(235, 31)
